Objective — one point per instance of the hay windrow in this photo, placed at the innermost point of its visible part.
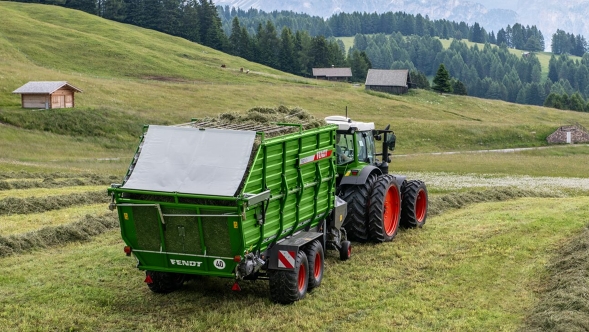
(564, 303)
(13, 205)
(54, 175)
(438, 205)
(54, 182)
(82, 230)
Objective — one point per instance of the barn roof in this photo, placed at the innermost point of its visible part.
(44, 87)
(382, 77)
(332, 72)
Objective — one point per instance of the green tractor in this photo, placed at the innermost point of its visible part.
(377, 201)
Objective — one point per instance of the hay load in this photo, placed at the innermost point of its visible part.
(264, 119)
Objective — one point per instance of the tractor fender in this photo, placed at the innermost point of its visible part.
(399, 179)
(362, 177)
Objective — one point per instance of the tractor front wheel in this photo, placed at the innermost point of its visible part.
(415, 203)
(384, 212)
(357, 197)
(288, 286)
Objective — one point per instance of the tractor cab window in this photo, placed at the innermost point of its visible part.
(366, 150)
(344, 148)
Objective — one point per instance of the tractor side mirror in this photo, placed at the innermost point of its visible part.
(391, 141)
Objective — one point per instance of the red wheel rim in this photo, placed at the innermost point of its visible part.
(317, 267)
(349, 251)
(302, 278)
(420, 205)
(391, 210)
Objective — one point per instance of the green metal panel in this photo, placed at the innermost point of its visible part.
(216, 234)
(182, 233)
(147, 227)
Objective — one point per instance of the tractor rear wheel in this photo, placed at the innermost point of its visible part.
(315, 256)
(415, 203)
(163, 282)
(357, 197)
(288, 286)
(385, 209)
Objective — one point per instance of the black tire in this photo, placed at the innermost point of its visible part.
(345, 251)
(315, 258)
(287, 287)
(384, 211)
(357, 197)
(415, 203)
(164, 282)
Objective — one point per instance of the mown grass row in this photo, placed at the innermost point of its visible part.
(13, 205)
(564, 301)
(51, 182)
(82, 230)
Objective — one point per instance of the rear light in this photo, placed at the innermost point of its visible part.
(237, 259)
(127, 250)
(355, 172)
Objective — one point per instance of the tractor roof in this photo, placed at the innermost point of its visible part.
(347, 123)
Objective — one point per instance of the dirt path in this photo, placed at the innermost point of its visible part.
(494, 151)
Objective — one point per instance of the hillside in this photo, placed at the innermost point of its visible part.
(133, 76)
(503, 229)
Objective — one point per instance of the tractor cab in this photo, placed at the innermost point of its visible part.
(355, 144)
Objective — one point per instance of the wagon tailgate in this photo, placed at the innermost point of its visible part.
(196, 241)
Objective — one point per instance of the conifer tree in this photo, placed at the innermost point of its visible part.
(442, 80)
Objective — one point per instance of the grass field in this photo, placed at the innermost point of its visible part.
(477, 268)
(501, 230)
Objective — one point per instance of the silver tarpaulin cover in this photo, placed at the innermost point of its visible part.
(192, 161)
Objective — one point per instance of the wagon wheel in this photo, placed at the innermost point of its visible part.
(315, 256)
(288, 286)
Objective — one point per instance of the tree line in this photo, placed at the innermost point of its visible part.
(349, 24)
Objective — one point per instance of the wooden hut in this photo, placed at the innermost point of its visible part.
(332, 74)
(47, 94)
(569, 135)
(390, 81)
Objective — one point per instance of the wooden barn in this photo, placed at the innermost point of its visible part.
(332, 74)
(47, 94)
(569, 135)
(390, 81)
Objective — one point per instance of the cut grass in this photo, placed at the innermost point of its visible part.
(563, 298)
(23, 223)
(47, 192)
(11, 205)
(83, 230)
(470, 269)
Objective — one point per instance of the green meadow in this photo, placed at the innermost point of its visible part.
(489, 257)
